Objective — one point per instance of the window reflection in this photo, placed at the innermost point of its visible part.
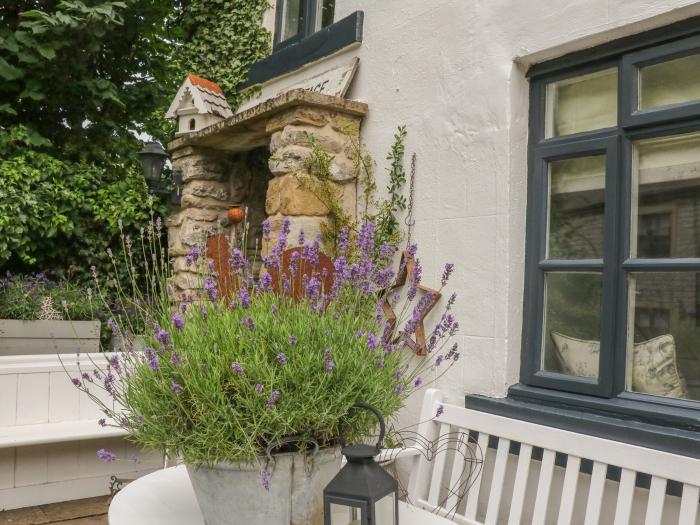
(664, 351)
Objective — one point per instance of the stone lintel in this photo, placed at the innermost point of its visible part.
(248, 130)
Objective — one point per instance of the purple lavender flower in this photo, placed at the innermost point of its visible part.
(102, 422)
(237, 261)
(343, 241)
(150, 354)
(265, 479)
(76, 381)
(134, 458)
(273, 399)
(330, 366)
(301, 240)
(178, 321)
(109, 382)
(380, 363)
(266, 228)
(249, 323)
(106, 455)
(176, 388)
(412, 250)
(359, 334)
(399, 388)
(399, 374)
(282, 359)
(211, 288)
(164, 337)
(265, 282)
(175, 358)
(440, 411)
(293, 340)
(237, 369)
(418, 382)
(439, 360)
(203, 309)
(258, 388)
(372, 342)
(449, 268)
(244, 298)
(192, 257)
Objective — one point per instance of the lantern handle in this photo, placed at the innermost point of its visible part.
(380, 417)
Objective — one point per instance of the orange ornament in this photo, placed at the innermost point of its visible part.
(236, 215)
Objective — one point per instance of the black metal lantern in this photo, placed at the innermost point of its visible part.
(153, 157)
(362, 493)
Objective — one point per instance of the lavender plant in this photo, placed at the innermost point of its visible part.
(224, 378)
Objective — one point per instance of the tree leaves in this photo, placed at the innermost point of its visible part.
(8, 71)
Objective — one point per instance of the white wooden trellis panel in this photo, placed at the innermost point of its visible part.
(630, 458)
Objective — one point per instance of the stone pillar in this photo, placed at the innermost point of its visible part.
(290, 147)
(206, 197)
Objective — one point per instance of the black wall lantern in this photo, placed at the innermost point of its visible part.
(153, 157)
(362, 493)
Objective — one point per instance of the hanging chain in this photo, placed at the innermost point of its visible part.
(409, 216)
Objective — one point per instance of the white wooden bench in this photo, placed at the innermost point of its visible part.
(517, 489)
(49, 435)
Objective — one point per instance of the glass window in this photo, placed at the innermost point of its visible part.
(572, 323)
(666, 197)
(663, 350)
(582, 103)
(613, 275)
(293, 18)
(671, 82)
(576, 208)
(325, 13)
(301, 18)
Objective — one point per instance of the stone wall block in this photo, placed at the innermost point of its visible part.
(330, 140)
(273, 196)
(342, 169)
(312, 227)
(297, 200)
(299, 116)
(346, 124)
(288, 159)
(186, 281)
(192, 201)
(211, 189)
(197, 167)
(195, 233)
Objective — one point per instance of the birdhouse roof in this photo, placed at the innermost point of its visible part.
(204, 95)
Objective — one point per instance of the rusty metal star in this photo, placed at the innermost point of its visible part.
(406, 273)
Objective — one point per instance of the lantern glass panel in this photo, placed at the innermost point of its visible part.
(385, 510)
(344, 515)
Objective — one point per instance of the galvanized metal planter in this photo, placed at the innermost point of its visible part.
(232, 493)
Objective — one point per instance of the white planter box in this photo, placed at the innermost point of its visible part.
(48, 337)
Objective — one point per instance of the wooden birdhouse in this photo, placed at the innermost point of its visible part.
(199, 103)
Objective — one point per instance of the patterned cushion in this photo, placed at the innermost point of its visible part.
(654, 369)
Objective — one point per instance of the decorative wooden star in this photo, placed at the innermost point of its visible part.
(406, 273)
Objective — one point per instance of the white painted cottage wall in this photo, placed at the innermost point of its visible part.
(454, 71)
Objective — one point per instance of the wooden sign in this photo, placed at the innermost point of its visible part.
(334, 82)
(323, 269)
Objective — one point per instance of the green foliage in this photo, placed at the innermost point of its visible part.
(21, 297)
(222, 39)
(62, 215)
(382, 212)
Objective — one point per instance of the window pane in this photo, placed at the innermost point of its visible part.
(582, 103)
(576, 208)
(342, 515)
(671, 82)
(666, 197)
(663, 355)
(571, 335)
(293, 18)
(324, 13)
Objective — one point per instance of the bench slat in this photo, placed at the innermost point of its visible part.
(460, 474)
(655, 504)
(473, 493)
(625, 495)
(521, 475)
(543, 486)
(439, 468)
(595, 493)
(25, 435)
(499, 474)
(568, 494)
(689, 505)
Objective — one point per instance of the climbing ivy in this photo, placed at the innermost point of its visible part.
(222, 39)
